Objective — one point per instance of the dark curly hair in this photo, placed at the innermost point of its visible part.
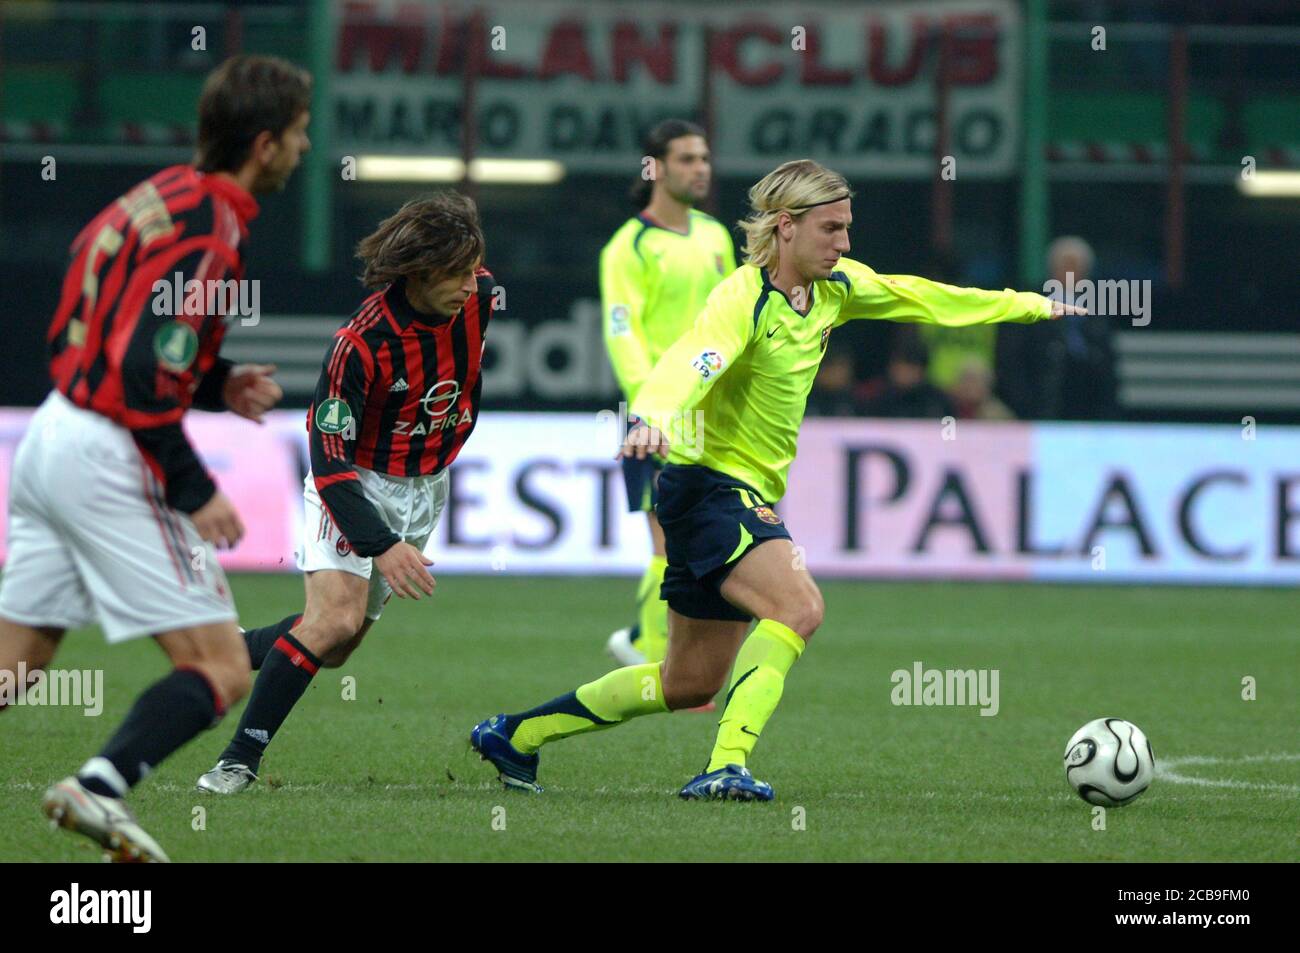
(437, 234)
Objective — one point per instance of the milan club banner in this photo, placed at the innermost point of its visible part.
(540, 493)
(854, 86)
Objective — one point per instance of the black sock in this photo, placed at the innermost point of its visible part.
(168, 714)
(285, 675)
(259, 641)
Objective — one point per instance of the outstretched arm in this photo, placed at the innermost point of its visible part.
(908, 298)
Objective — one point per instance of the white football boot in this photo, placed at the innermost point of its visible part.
(105, 820)
(228, 777)
(621, 648)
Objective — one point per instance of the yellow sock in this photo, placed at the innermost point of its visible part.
(613, 698)
(653, 640)
(756, 684)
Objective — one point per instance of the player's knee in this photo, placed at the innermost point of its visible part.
(331, 632)
(805, 617)
(216, 652)
(234, 680)
(234, 674)
(228, 675)
(355, 621)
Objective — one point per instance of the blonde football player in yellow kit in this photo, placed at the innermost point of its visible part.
(725, 403)
(655, 275)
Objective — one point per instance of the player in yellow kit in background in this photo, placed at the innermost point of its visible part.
(734, 386)
(655, 275)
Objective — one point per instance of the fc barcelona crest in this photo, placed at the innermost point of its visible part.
(766, 515)
(826, 336)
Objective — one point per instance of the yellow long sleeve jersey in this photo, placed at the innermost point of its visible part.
(730, 392)
(653, 283)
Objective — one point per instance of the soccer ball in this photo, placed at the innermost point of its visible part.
(1109, 762)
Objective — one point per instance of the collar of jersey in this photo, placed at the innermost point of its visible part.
(768, 286)
(405, 316)
(650, 222)
(245, 205)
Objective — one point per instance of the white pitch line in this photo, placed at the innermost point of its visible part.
(1165, 772)
(168, 787)
(1242, 759)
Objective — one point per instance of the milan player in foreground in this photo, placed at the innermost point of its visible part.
(397, 399)
(735, 386)
(112, 516)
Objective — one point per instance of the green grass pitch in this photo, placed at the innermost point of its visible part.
(387, 776)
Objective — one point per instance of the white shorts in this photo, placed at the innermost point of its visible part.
(90, 538)
(409, 505)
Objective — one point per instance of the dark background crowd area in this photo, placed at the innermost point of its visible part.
(1052, 370)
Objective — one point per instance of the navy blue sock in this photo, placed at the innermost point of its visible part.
(169, 713)
(259, 641)
(285, 675)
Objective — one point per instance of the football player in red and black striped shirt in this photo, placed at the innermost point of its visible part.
(113, 517)
(396, 400)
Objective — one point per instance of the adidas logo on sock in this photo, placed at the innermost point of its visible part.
(400, 385)
(258, 734)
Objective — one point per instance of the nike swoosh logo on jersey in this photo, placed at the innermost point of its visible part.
(774, 330)
(745, 729)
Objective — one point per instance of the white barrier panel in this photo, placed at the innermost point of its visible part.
(541, 493)
(1080, 502)
(530, 492)
(1093, 503)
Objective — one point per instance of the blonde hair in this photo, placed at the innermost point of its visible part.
(793, 187)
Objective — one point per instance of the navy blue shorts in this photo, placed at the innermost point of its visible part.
(640, 478)
(710, 521)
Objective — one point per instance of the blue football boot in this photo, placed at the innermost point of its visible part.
(732, 783)
(516, 769)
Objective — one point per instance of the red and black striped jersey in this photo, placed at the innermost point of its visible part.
(398, 394)
(134, 338)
